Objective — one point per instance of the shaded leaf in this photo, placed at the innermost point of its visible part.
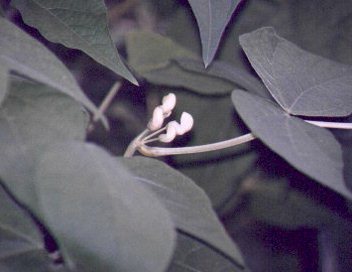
(32, 116)
(225, 70)
(301, 82)
(212, 17)
(152, 56)
(75, 24)
(101, 218)
(22, 53)
(191, 255)
(311, 149)
(21, 243)
(3, 82)
(188, 205)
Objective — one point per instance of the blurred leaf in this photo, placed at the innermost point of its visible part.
(311, 149)
(76, 24)
(3, 82)
(21, 243)
(152, 55)
(301, 82)
(277, 204)
(212, 17)
(32, 116)
(101, 218)
(226, 71)
(191, 255)
(220, 172)
(188, 205)
(25, 55)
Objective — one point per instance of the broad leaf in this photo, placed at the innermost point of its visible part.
(311, 149)
(191, 255)
(75, 24)
(212, 17)
(32, 116)
(32, 59)
(226, 71)
(188, 205)
(301, 82)
(152, 55)
(22, 247)
(102, 219)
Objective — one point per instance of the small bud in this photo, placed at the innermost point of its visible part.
(157, 120)
(169, 136)
(168, 104)
(186, 122)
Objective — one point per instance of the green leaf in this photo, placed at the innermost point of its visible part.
(153, 55)
(3, 82)
(301, 82)
(226, 71)
(191, 255)
(102, 219)
(22, 247)
(32, 116)
(23, 54)
(212, 17)
(311, 149)
(76, 24)
(188, 205)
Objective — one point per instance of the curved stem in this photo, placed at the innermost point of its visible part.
(160, 151)
(132, 147)
(324, 124)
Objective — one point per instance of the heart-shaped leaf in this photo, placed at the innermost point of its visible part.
(79, 24)
(311, 149)
(301, 82)
(32, 59)
(102, 219)
(212, 17)
(188, 205)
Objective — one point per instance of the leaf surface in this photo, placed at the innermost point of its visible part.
(212, 17)
(21, 53)
(22, 247)
(101, 218)
(188, 205)
(311, 149)
(153, 55)
(31, 117)
(191, 255)
(79, 24)
(301, 82)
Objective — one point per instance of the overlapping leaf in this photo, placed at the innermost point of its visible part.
(79, 24)
(311, 149)
(32, 116)
(152, 55)
(191, 255)
(212, 17)
(25, 55)
(22, 247)
(301, 82)
(189, 207)
(102, 219)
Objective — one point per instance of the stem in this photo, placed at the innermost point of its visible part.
(330, 124)
(136, 142)
(160, 151)
(104, 105)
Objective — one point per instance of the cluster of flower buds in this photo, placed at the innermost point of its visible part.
(173, 128)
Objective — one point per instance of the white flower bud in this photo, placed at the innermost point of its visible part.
(157, 120)
(186, 122)
(168, 104)
(170, 134)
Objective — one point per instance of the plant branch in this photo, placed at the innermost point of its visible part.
(324, 124)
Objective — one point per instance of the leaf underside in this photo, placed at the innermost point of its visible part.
(301, 82)
(311, 149)
(79, 24)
